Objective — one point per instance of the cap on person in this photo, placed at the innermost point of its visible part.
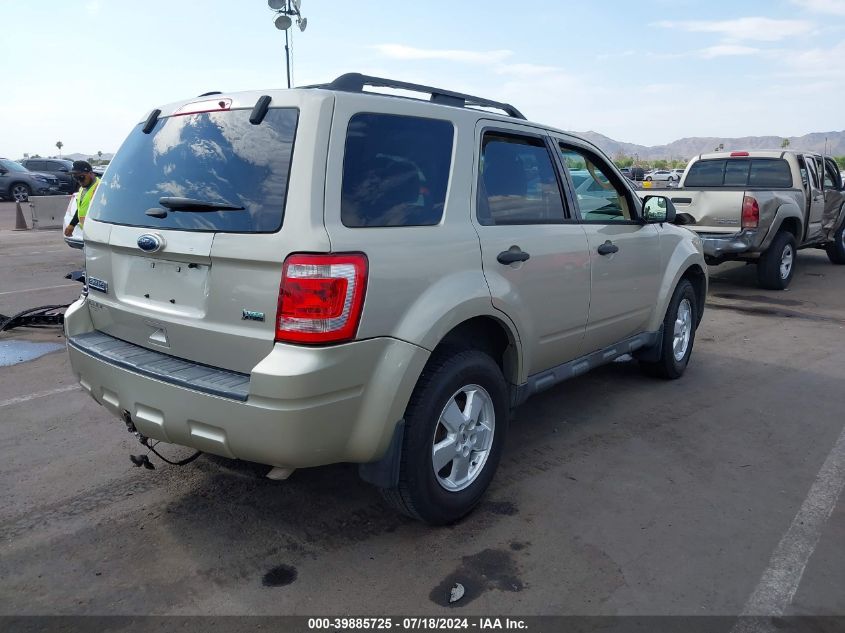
(81, 167)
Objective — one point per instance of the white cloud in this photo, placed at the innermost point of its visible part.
(822, 63)
(757, 29)
(92, 7)
(526, 69)
(726, 50)
(835, 7)
(399, 51)
(628, 53)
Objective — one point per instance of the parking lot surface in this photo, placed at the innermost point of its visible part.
(719, 493)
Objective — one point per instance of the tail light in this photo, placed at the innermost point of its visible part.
(321, 298)
(750, 213)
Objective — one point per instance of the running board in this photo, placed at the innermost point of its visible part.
(556, 375)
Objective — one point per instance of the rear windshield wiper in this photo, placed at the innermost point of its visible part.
(190, 205)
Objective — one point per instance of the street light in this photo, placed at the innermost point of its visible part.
(285, 10)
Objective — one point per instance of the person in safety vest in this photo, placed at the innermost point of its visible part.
(88, 181)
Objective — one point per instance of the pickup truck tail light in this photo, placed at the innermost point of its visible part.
(750, 213)
(321, 298)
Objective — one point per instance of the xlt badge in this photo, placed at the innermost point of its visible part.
(252, 315)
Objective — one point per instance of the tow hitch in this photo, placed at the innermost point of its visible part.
(143, 460)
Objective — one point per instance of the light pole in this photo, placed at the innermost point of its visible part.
(284, 10)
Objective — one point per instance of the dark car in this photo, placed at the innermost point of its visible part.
(18, 183)
(58, 167)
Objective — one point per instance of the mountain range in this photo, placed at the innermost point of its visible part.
(686, 148)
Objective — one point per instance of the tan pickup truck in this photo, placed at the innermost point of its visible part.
(761, 207)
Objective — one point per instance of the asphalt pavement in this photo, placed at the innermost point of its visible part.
(717, 494)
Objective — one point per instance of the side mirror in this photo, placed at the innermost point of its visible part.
(64, 169)
(658, 209)
(3, 171)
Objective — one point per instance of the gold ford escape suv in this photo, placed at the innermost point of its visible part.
(328, 274)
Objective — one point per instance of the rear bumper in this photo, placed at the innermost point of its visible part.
(718, 246)
(301, 406)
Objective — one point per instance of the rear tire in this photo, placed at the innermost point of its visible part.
(458, 412)
(836, 249)
(776, 266)
(679, 327)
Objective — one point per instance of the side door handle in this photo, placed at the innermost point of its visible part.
(515, 254)
(608, 248)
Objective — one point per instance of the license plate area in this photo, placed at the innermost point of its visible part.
(171, 287)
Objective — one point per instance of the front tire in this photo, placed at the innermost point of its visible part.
(836, 249)
(776, 266)
(20, 192)
(679, 326)
(455, 428)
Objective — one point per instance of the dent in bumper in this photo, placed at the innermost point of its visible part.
(723, 245)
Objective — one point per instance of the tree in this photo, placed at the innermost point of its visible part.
(840, 160)
(660, 164)
(60, 145)
(785, 143)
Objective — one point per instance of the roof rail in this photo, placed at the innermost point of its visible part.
(355, 82)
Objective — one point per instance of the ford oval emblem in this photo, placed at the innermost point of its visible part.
(150, 243)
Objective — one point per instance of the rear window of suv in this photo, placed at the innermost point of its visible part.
(217, 157)
(395, 170)
(740, 172)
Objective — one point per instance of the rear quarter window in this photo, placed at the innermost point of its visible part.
(395, 170)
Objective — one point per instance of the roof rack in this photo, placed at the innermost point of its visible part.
(355, 82)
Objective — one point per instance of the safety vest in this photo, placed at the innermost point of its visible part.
(83, 199)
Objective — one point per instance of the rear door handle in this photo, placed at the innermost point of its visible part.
(512, 256)
(608, 248)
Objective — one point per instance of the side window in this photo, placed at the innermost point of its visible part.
(599, 198)
(814, 176)
(802, 169)
(34, 165)
(395, 170)
(518, 184)
(831, 176)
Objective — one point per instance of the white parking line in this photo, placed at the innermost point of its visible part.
(11, 292)
(780, 580)
(33, 396)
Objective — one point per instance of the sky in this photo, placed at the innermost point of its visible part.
(644, 71)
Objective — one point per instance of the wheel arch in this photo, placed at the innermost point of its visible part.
(489, 334)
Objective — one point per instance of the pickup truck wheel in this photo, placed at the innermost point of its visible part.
(836, 249)
(455, 427)
(679, 326)
(777, 265)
